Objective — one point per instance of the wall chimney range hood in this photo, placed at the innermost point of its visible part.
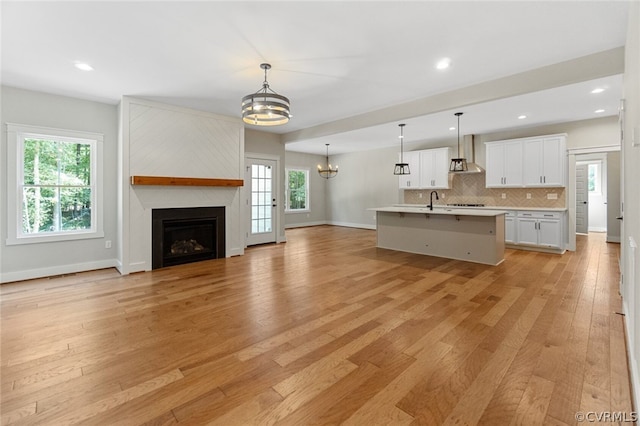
(468, 151)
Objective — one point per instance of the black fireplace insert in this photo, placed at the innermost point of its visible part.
(185, 235)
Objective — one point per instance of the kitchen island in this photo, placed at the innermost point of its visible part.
(473, 235)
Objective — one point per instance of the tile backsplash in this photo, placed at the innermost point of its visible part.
(470, 188)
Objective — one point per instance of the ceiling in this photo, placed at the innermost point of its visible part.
(335, 60)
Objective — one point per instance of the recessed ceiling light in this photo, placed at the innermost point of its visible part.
(83, 66)
(452, 128)
(443, 63)
(522, 117)
(598, 90)
(598, 111)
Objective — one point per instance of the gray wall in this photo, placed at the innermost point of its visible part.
(366, 180)
(317, 214)
(39, 109)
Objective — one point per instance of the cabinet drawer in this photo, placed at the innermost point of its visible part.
(540, 214)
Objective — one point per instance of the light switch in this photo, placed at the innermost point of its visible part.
(528, 196)
(504, 195)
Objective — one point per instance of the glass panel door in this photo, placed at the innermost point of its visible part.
(262, 201)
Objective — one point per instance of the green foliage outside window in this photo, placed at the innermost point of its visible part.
(297, 189)
(56, 190)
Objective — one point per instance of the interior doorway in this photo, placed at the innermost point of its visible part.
(591, 193)
(608, 203)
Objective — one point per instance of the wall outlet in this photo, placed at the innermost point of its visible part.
(442, 195)
(107, 244)
(552, 196)
(420, 195)
(528, 196)
(504, 195)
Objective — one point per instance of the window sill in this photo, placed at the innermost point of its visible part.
(12, 241)
(296, 211)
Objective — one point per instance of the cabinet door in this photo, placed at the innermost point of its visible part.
(544, 162)
(494, 165)
(427, 164)
(532, 170)
(549, 233)
(441, 159)
(513, 163)
(527, 231)
(553, 160)
(410, 181)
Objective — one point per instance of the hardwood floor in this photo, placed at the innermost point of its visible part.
(325, 329)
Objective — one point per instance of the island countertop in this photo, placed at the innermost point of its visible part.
(439, 211)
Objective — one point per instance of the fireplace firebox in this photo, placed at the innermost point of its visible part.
(185, 235)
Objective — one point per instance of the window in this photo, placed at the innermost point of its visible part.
(595, 178)
(55, 189)
(297, 190)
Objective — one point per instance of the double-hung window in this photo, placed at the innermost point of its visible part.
(297, 199)
(55, 195)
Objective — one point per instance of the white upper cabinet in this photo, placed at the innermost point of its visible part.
(434, 168)
(410, 181)
(545, 160)
(429, 169)
(504, 164)
(528, 162)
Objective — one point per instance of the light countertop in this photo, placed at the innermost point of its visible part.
(452, 211)
(533, 209)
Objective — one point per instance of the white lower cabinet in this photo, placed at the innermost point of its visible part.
(540, 228)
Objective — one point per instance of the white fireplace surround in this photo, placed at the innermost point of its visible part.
(164, 140)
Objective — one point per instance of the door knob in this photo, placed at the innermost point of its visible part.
(619, 217)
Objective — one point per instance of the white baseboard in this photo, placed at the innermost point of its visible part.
(305, 224)
(51, 271)
(613, 238)
(346, 224)
(353, 225)
(633, 363)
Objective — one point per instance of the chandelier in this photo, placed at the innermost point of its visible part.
(327, 172)
(401, 168)
(265, 107)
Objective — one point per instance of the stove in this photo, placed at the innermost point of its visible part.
(465, 205)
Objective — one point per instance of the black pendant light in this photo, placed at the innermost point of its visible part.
(458, 164)
(401, 168)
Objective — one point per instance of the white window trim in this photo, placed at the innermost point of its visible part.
(287, 210)
(15, 136)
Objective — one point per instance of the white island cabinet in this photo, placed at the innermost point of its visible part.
(462, 234)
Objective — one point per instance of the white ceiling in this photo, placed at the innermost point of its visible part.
(333, 59)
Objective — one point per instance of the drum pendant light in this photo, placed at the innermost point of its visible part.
(265, 107)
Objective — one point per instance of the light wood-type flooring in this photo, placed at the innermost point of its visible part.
(323, 329)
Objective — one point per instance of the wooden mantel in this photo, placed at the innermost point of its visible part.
(183, 181)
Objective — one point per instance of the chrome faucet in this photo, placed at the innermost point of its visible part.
(431, 199)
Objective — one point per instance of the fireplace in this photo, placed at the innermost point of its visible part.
(185, 235)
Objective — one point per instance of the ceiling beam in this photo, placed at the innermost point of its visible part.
(590, 67)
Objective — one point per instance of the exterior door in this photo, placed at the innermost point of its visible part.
(261, 174)
(582, 199)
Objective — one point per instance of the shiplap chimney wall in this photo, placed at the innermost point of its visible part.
(163, 140)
